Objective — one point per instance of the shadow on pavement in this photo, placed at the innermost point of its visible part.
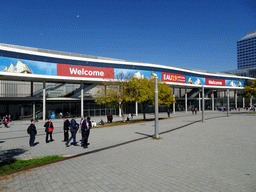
(7, 155)
(144, 134)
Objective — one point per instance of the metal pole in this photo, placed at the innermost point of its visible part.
(44, 102)
(186, 101)
(34, 110)
(199, 102)
(136, 109)
(228, 101)
(202, 103)
(236, 99)
(212, 101)
(82, 99)
(156, 108)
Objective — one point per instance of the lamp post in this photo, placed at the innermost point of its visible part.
(156, 108)
(202, 103)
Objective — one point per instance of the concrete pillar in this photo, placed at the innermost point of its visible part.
(251, 101)
(228, 101)
(34, 110)
(44, 102)
(236, 99)
(173, 105)
(199, 97)
(186, 101)
(31, 89)
(136, 108)
(243, 102)
(203, 104)
(82, 99)
(120, 114)
(212, 101)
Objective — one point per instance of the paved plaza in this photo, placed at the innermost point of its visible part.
(215, 155)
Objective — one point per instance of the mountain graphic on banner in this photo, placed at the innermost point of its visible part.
(19, 68)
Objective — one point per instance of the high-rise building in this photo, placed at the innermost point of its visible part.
(246, 51)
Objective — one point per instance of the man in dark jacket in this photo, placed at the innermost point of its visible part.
(87, 131)
(48, 129)
(66, 125)
(32, 133)
(73, 129)
(83, 129)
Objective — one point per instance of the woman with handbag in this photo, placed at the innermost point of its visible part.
(48, 129)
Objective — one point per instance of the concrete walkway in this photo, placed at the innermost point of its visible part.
(216, 155)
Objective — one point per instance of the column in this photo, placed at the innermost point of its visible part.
(173, 105)
(212, 101)
(82, 99)
(243, 102)
(31, 89)
(236, 99)
(199, 97)
(120, 113)
(251, 101)
(186, 101)
(202, 103)
(34, 110)
(44, 102)
(136, 108)
(228, 101)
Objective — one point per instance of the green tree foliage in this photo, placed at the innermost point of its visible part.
(250, 90)
(140, 91)
(125, 90)
(112, 93)
(165, 96)
(143, 92)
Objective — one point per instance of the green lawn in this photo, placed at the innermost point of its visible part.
(15, 165)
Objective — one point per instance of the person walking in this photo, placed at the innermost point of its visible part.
(83, 130)
(48, 129)
(32, 132)
(66, 125)
(87, 131)
(192, 111)
(196, 111)
(73, 129)
(6, 121)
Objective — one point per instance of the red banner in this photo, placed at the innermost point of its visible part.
(84, 71)
(171, 77)
(215, 82)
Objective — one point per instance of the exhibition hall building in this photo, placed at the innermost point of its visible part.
(55, 84)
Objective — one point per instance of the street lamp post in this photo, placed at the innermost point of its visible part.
(156, 108)
(202, 103)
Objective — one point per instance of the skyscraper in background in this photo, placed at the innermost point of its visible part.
(246, 51)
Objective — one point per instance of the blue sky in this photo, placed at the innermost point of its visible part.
(198, 34)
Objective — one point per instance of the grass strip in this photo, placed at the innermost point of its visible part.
(15, 165)
(118, 123)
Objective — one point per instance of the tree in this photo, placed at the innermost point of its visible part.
(142, 91)
(250, 90)
(112, 93)
(165, 96)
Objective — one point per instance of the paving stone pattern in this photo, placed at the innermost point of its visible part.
(216, 155)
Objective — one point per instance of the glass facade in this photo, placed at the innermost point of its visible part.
(246, 51)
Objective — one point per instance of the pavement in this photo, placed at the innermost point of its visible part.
(215, 155)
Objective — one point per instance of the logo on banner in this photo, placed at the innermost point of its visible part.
(171, 77)
(84, 71)
(215, 82)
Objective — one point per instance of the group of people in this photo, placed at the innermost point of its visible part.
(85, 125)
(194, 111)
(72, 126)
(6, 119)
(109, 118)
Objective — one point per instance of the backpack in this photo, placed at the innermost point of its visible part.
(29, 130)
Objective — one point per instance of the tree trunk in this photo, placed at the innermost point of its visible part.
(144, 111)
